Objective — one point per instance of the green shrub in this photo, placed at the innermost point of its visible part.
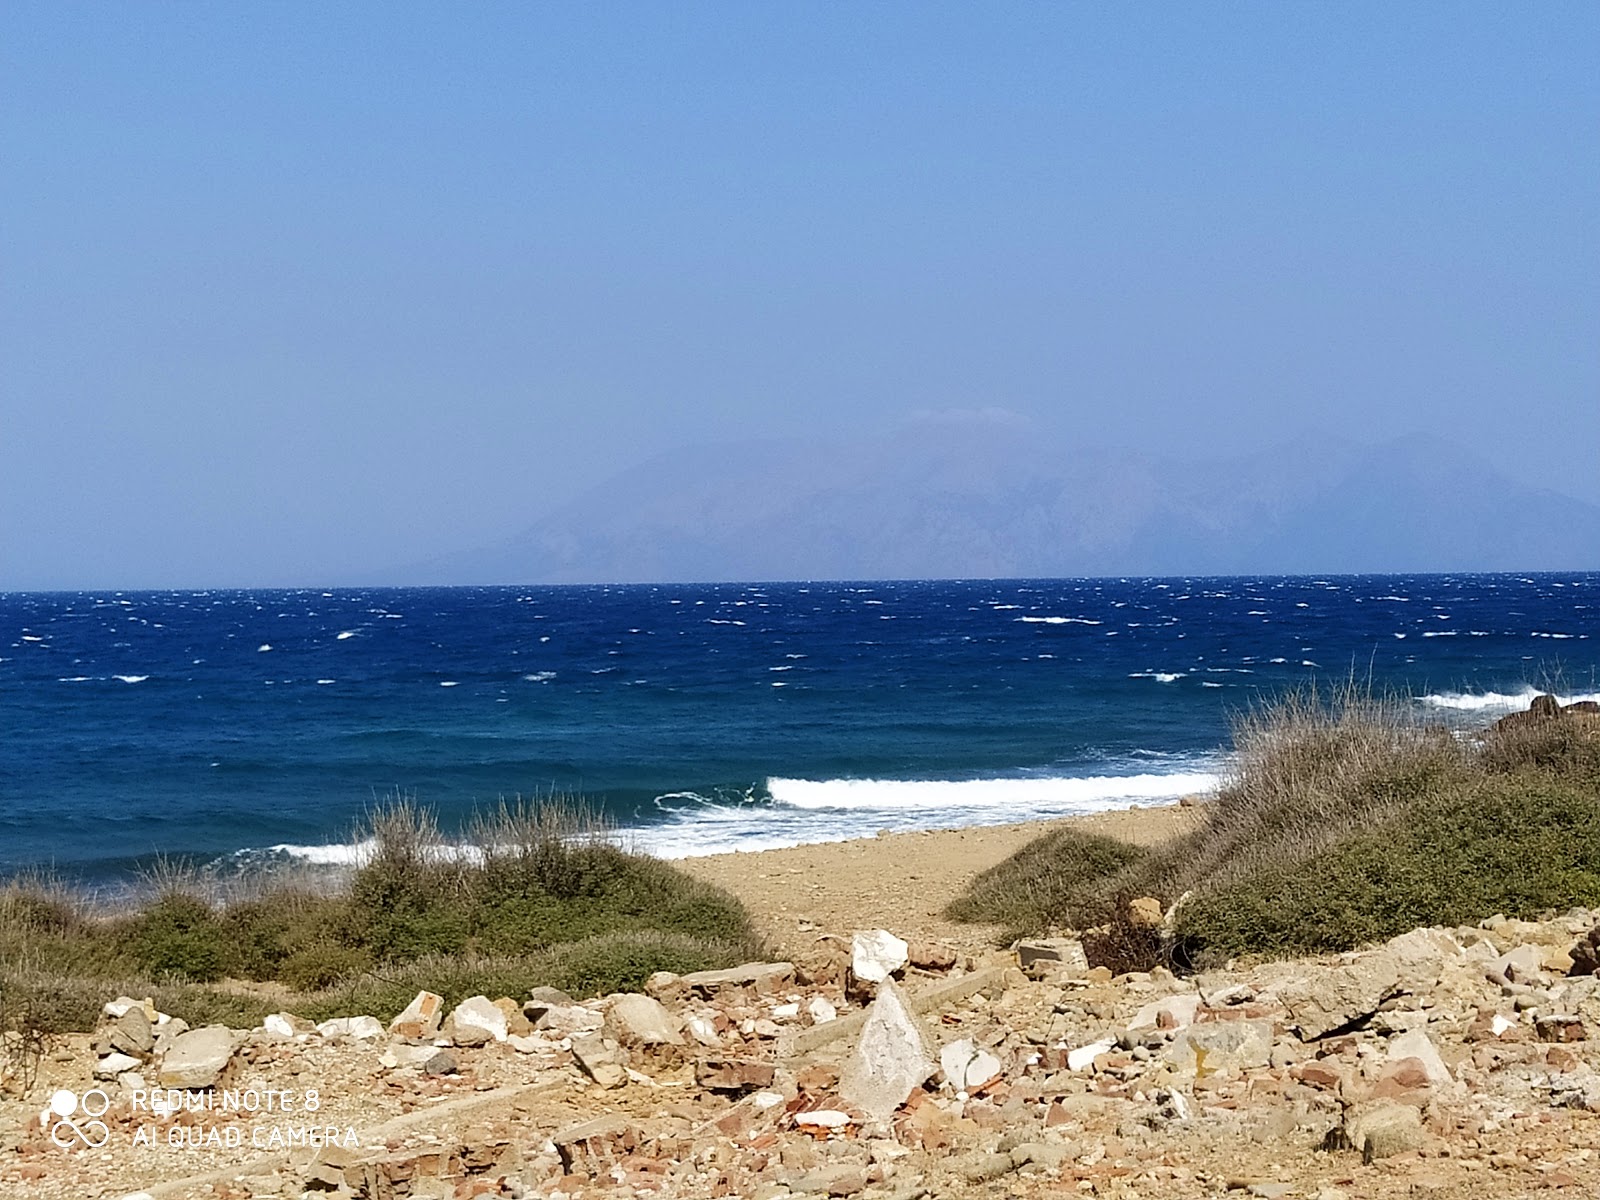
(1521, 844)
(180, 935)
(1050, 881)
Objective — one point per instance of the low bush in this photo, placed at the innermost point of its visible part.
(1344, 820)
(535, 895)
(1050, 881)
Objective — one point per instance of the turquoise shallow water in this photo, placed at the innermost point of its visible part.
(703, 717)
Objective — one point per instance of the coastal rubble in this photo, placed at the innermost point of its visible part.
(1462, 1058)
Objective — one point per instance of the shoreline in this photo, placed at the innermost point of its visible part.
(900, 881)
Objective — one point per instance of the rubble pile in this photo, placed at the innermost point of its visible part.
(1444, 1059)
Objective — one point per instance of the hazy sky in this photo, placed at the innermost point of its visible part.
(292, 291)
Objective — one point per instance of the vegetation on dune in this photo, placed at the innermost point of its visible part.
(1345, 820)
(535, 894)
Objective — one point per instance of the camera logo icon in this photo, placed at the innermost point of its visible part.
(78, 1119)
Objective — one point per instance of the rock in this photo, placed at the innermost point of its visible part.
(1325, 1001)
(733, 1074)
(967, 1068)
(420, 1019)
(287, 1025)
(476, 1021)
(1221, 1046)
(1145, 912)
(599, 1059)
(1520, 964)
(843, 1179)
(1417, 1045)
(1585, 954)
(1378, 1129)
(1066, 951)
(638, 1020)
(568, 1018)
(889, 1059)
(1560, 1027)
(702, 1030)
(1083, 1057)
(1170, 1012)
(430, 1060)
(131, 1033)
(541, 1000)
(821, 1009)
(196, 1058)
(930, 956)
(516, 1022)
(122, 1005)
(358, 1029)
(981, 1168)
(763, 978)
(877, 955)
(116, 1063)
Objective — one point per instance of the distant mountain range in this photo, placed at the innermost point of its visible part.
(984, 497)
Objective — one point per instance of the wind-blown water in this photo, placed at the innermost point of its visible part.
(704, 717)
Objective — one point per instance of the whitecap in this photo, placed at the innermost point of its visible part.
(345, 634)
(1160, 676)
(325, 682)
(1058, 621)
(540, 677)
(131, 678)
(1486, 701)
(448, 683)
(264, 647)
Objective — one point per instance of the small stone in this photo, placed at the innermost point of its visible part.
(359, 1029)
(877, 955)
(843, 1179)
(1083, 1057)
(821, 1009)
(966, 1068)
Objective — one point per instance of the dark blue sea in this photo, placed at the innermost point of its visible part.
(232, 724)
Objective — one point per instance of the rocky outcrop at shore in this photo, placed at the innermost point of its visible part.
(1445, 1058)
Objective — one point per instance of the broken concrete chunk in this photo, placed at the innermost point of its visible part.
(1378, 1129)
(420, 1019)
(196, 1058)
(765, 978)
(733, 1074)
(599, 1059)
(967, 1068)
(1416, 1045)
(638, 1020)
(1324, 1001)
(360, 1029)
(1221, 1046)
(1083, 1057)
(877, 955)
(1066, 951)
(476, 1021)
(1170, 1012)
(889, 1059)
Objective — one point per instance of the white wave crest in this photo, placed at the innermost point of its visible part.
(131, 678)
(1489, 701)
(1082, 793)
(1059, 621)
(1160, 676)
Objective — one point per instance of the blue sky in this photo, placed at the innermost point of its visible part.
(293, 291)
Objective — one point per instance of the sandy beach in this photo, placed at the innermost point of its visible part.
(898, 881)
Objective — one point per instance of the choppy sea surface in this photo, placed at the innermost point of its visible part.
(704, 718)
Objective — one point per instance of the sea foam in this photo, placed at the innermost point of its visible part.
(1490, 701)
